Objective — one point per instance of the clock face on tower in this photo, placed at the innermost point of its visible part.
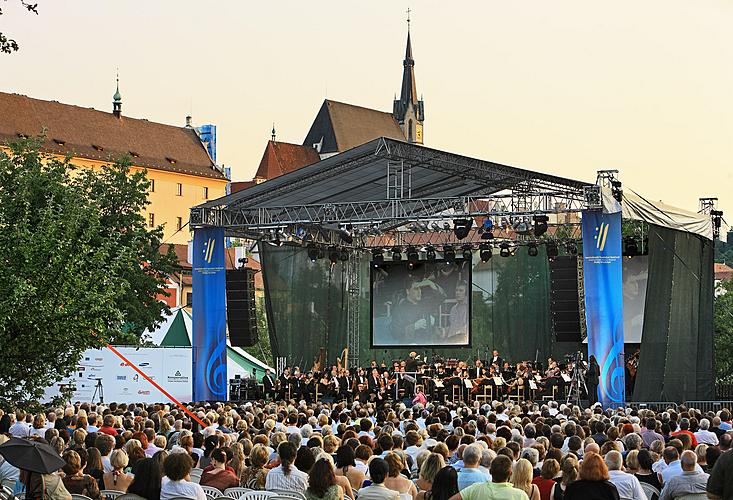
(418, 133)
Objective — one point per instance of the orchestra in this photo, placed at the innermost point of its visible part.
(440, 380)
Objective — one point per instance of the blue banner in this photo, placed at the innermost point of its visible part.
(209, 343)
(604, 302)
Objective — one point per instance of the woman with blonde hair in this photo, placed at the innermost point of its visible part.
(395, 480)
(39, 425)
(428, 470)
(238, 458)
(254, 476)
(117, 479)
(522, 479)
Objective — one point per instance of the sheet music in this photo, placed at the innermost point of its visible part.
(468, 383)
(497, 381)
(566, 377)
(532, 385)
(439, 384)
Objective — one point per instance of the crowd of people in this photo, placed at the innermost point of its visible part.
(447, 451)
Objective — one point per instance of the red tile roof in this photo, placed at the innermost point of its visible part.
(241, 185)
(96, 135)
(281, 158)
(722, 272)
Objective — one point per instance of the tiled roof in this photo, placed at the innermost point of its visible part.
(96, 135)
(722, 272)
(344, 126)
(281, 158)
(240, 185)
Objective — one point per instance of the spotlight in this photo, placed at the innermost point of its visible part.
(344, 255)
(346, 235)
(488, 224)
(449, 253)
(430, 253)
(532, 250)
(314, 253)
(484, 252)
(413, 256)
(435, 226)
(505, 250)
(551, 250)
(396, 254)
(467, 252)
(616, 190)
(572, 248)
(446, 226)
(377, 256)
(631, 247)
(334, 254)
(461, 227)
(540, 224)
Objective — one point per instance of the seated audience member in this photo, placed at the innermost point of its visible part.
(471, 472)
(690, 481)
(217, 475)
(522, 479)
(395, 480)
(322, 482)
(117, 479)
(346, 466)
(286, 476)
(378, 471)
(593, 483)
(75, 481)
(147, 480)
(627, 485)
(433, 464)
(546, 480)
(255, 475)
(445, 485)
(498, 488)
(176, 483)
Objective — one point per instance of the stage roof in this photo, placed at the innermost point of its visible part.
(361, 174)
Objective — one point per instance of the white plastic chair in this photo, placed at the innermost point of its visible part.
(258, 495)
(211, 492)
(296, 495)
(649, 490)
(111, 494)
(130, 496)
(236, 492)
(79, 497)
(693, 496)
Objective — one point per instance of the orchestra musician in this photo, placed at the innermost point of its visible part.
(268, 384)
(496, 359)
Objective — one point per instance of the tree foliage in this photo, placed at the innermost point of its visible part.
(9, 45)
(723, 328)
(79, 267)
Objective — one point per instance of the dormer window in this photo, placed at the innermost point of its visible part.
(59, 142)
(97, 147)
(134, 154)
(172, 161)
(22, 135)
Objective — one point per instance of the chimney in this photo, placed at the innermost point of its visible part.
(188, 121)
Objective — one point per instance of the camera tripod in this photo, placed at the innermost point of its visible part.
(98, 389)
(577, 382)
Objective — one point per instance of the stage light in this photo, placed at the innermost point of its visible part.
(551, 250)
(505, 250)
(540, 224)
(488, 224)
(344, 255)
(377, 256)
(461, 227)
(449, 253)
(572, 248)
(314, 253)
(396, 253)
(532, 250)
(485, 252)
(616, 190)
(446, 226)
(334, 254)
(631, 247)
(467, 252)
(430, 253)
(346, 235)
(435, 226)
(413, 256)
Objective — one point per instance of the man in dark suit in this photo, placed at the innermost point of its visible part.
(496, 359)
(268, 384)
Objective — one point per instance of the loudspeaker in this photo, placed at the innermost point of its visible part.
(241, 312)
(564, 305)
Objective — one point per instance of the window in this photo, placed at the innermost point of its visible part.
(179, 189)
(179, 223)
(151, 219)
(189, 299)
(152, 185)
(206, 193)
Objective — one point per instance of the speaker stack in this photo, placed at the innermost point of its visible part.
(241, 312)
(564, 304)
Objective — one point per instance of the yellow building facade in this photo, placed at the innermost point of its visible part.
(178, 165)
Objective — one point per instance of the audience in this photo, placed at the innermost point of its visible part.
(378, 471)
(286, 476)
(594, 481)
(322, 482)
(176, 482)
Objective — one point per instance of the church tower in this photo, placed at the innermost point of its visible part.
(408, 110)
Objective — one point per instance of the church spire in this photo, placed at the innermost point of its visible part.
(117, 99)
(408, 110)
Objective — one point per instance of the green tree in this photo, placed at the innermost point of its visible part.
(9, 45)
(723, 328)
(73, 272)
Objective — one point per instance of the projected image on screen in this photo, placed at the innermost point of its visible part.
(426, 305)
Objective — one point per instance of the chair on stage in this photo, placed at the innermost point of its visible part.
(457, 393)
(485, 393)
(517, 394)
(551, 397)
(318, 392)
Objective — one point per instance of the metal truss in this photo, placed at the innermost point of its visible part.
(352, 326)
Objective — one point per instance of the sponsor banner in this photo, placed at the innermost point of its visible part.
(209, 316)
(602, 274)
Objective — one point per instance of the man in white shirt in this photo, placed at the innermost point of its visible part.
(20, 429)
(378, 470)
(628, 485)
(689, 482)
(704, 436)
(674, 467)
